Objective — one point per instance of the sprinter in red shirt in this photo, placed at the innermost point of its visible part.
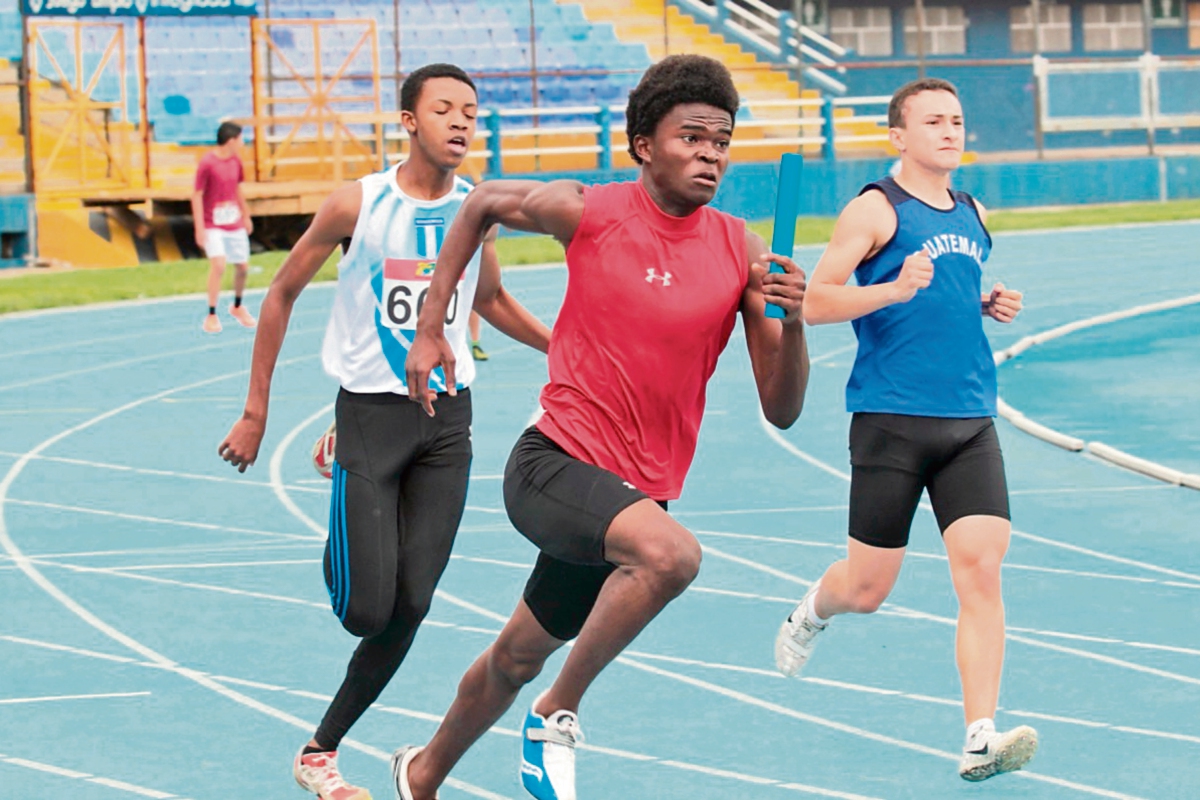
(656, 282)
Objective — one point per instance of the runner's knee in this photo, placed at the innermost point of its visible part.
(673, 561)
(868, 597)
(513, 665)
(366, 621)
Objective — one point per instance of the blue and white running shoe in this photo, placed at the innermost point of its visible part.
(548, 754)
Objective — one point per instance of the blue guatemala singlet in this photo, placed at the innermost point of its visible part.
(928, 357)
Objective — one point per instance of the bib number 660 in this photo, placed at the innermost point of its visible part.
(400, 308)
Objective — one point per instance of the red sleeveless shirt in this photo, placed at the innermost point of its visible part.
(651, 301)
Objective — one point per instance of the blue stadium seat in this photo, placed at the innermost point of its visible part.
(199, 68)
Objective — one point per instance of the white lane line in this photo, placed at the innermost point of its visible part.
(791, 601)
(740, 511)
(501, 619)
(1093, 228)
(275, 468)
(182, 584)
(109, 365)
(777, 437)
(775, 708)
(209, 587)
(63, 772)
(493, 561)
(40, 580)
(485, 509)
(9, 701)
(167, 473)
(891, 608)
(1190, 651)
(758, 537)
(177, 550)
(1153, 487)
(57, 561)
(45, 410)
(129, 787)
(124, 305)
(1052, 718)
(207, 526)
(1107, 557)
(618, 753)
(62, 648)
(843, 685)
(755, 537)
(788, 601)
(212, 565)
(769, 673)
(75, 345)
(833, 353)
(1158, 734)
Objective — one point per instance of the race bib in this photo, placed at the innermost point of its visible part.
(226, 214)
(405, 287)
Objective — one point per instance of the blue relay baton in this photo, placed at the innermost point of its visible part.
(787, 209)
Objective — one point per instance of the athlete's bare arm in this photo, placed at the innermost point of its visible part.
(334, 221)
(553, 208)
(198, 218)
(778, 353)
(1001, 304)
(500, 308)
(863, 229)
(247, 221)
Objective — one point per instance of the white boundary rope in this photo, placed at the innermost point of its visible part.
(1100, 450)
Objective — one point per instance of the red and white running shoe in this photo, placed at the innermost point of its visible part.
(318, 773)
(323, 451)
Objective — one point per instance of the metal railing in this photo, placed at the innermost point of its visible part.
(774, 34)
(1148, 69)
(574, 138)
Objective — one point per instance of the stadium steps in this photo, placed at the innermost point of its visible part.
(641, 21)
(12, 144)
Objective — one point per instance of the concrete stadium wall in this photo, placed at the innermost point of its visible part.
(998, 99)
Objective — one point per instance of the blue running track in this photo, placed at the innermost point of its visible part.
(167, 633)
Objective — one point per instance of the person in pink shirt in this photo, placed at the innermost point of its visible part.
(223, 224)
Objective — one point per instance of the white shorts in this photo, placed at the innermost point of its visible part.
(233, 246)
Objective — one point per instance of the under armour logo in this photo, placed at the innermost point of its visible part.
(652, 276)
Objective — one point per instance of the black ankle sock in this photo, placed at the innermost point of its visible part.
(237, 302)
(310, 749)
(212, 310)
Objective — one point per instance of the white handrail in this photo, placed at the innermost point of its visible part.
(763, 8)
(548, 111)
(803, 102)
(774, 48)
(557, 130)
(552, 151)
(760, 23)
(797, 122)
(882, 99)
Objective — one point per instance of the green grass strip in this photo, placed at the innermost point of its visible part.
(77, 287)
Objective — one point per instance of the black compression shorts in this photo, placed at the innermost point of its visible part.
(564, 506)
(895, 456)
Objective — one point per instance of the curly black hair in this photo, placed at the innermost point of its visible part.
(672, 82)
(411, 90)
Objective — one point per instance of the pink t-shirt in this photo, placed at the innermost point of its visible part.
(218, 178)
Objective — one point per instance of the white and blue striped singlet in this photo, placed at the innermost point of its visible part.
(383, 279)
